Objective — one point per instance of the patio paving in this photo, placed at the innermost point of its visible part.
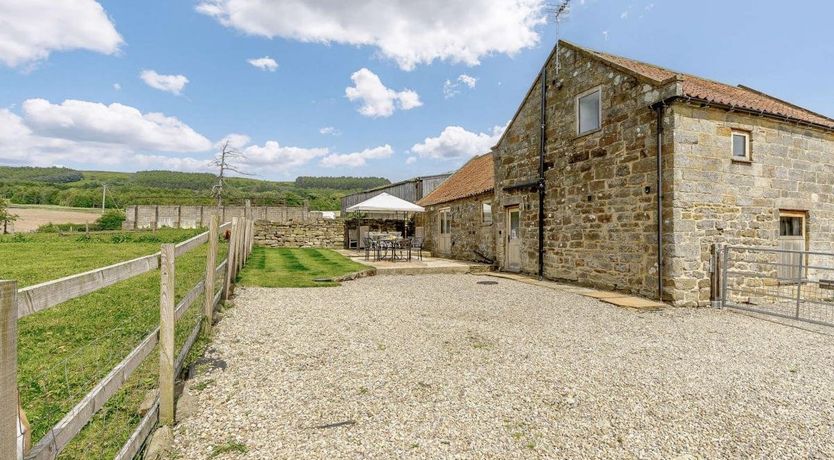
(427, 266)
(442, 366)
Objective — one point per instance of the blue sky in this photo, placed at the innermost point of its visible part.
(73, 96)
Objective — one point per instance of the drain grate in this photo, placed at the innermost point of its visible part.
(487, 282)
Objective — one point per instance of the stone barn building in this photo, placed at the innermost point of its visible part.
(737, 167)
(458, 219)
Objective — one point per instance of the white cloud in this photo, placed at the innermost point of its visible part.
(329, 131)
(356, 159)
(111, 124)
(31, 29)
(624, 15)
(20, 144)
(264, 63)
(605, 35)
(377, 100)
(468, 80)
(455, 143)
(411, 160)
(118, 136)
(406, 31)
(273, 156)
(452, 88)
(117, 86)
(170, 83)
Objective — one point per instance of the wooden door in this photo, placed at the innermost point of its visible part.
(792, 237)
(513, 240)
(443, 244)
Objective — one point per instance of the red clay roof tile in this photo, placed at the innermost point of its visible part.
(475, 177)
(715, 92)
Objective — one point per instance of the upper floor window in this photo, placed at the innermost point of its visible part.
(486, 208)
(589, 111)
(741, 145)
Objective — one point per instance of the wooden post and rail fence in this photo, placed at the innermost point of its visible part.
(18, 303)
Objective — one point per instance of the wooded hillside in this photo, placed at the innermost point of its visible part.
(68, 187)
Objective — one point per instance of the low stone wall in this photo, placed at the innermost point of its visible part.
(322, 233)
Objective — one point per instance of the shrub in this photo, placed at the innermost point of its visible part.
(111, 220)
(121, 238)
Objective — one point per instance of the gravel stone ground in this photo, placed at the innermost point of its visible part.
(438, 366)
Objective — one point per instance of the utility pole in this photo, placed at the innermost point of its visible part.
(103, 197)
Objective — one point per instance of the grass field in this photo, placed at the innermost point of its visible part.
(291, 267)
(64, 351)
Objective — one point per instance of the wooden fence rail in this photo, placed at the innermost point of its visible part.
(16, 304)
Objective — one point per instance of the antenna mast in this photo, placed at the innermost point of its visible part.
(561, 11)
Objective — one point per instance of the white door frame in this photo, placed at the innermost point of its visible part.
(512, 242)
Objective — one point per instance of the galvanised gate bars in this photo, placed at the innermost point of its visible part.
(791, 284)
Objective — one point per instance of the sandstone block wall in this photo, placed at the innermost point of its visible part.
(322, 233)
(469, 233)
(720, 201)
(600, 204)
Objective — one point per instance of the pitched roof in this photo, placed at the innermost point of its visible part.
(475, 177)
(712, 91)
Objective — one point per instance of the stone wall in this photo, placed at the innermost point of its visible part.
(600, 205)
(322, 233)
(470, 235)
(720, 201)
(173, 216)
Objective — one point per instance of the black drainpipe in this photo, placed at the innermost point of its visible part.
(540, 185)
(659, 109)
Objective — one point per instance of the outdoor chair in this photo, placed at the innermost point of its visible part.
(371, 246)
(417, 243)
(383, 247)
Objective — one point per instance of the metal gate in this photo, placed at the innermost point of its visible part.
(791, 284)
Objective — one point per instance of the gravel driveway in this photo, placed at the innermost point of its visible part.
(439, 366)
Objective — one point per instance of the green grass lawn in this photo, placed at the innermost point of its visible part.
(295, 267)
(64, 351)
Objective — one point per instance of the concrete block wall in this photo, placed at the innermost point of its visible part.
(173, 216)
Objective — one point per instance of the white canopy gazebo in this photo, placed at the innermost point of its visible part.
(385, 204)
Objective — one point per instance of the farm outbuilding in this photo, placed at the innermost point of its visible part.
(411, 190)
(459, 222)
(625, 175)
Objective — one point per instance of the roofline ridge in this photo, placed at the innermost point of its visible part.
(425, 200)
(770, 96)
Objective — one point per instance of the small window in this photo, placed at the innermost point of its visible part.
(486, 208)
(588, 111)
(741, 146)
(791, 225)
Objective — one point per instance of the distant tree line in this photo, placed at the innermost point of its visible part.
(67, 187)
(341, 183)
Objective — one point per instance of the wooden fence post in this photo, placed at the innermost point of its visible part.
(230, 261)
(238, 246)
(8, 370)
(246, 240)
(251, 237)
(211, 266)
(166, 334)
